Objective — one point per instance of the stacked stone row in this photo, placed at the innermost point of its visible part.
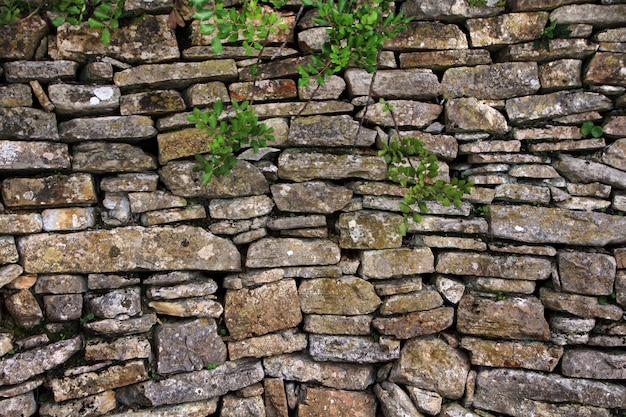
(285, 289)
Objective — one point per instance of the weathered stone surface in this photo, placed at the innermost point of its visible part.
(402, 285)
(553, 225)
(73, 100)
(195, 386)
(263, 90)
(245, 179)
(444, 59)
(120, 349)
(188, 409)
(407, 113)
(203, 94)
(189, 307)
(265, 309)
(90, 383)
(497, 81)
(33, 155)
(9, 272)
(183, 247)
(426, 299)
(101, 157)
(428, 402)
(241, 208)
(447, 10)
(416, 324)
(520, 407)
(310, 197)
(141, 202)
(479, 264)
(24, 365)
(394, 402)
(265, 253)
(63, 307)
(188, 346)
(8, 250)
(332, 89)
(16, 95)
(24, 309)
(561, 103)
(522, 193)
(615, 155)
(368, 229)
(428, 35)
(301, 368)
(394, 84)
(177, 75)
(506, 29)
(292, 109)
(190, 289)
(581, 170)
(25, 123)
(94, 405)
(508, 354)
(359, 349)
(329, 131)
(593, 14)
(446, 225)
(469, 114)
(111, 327)
(304, 165)
(323, 402)
(343, 296)
(21, 39)
(388, 263)
(337, 324)
(131, 182)
(559, 49)
(235, 406)
(586, 273)
(553, 388)
(75, 218)
(181, 143)
(275, 398)
(152, 103)
(510, 318)
(123, 301)
(150, 39)
(595, 364)
(286, 341)
(497, 285)
(297, 222)
(55, 190)
(24, 405)
(560, 74)
(430, 363)
(44, 71)
(579, 305)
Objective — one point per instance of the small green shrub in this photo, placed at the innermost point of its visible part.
(551, 31)
(589, 128)
(9, 12)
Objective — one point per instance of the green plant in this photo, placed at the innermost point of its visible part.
(223, 332)
(551, 31)
(356, 31)
(251, 21)
(589, 128)
(9, 12)
(482, 3)
(87, 318)
(211, 366)
(228, 136)
(412, 166)
(70, 11)
(480, 211)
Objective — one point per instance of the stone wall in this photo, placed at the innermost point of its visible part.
(285, 289)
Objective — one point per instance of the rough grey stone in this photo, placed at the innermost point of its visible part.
(116, 128)
(359, 349)
(329, 131)
(121, 349)
(506, 29)
(241, 208)
(63, 307)
(188, 346)
(301, 368)
(394, 401)
(412, 325)
(430, 363)
(428, 35)
(579, 305)
(194, 386)
(25, 123)
(510, 354)
(273, 252)
(285, 341)
(310, 197)
(586, 273)
(410, 113)
(24, 405)
(342, 296)
(94, 405)
(304, 165)
(182, 247)
(562, 103)
(479, 264)
(73, 100)
(24, 309)
(112, 327)
(123, 301)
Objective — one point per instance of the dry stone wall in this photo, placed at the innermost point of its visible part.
(285, 289)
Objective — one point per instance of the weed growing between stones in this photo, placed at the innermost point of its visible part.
(589, 128)
(551, 31)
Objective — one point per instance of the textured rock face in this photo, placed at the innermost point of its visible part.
(64, 253)
(286, 288)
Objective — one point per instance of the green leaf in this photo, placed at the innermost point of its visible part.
(216, 45)
(59, 20)
(105, 37)
(93, 23)
(597, 131)
(586, 128)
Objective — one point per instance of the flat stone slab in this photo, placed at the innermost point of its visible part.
(262, 310)
(359, 349)
(273, 252)
(496, 81)
(480, 264)
(317, 402)
(388, 263)
(26, 123)
(29, 155)
(510, 318)
(304, 165)
(150, 39)
(51, 191)
(195, 386)
(416, 324)
(595, 364)
(512, 354)
(554, 225)
(310, 197)
(129, 129)
(127, 249)
(302, 368)
(342, 296)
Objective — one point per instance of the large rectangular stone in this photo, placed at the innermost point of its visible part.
(31, 155)
(554, 225)
(480, 264)
(127, 249)
(52, 191)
